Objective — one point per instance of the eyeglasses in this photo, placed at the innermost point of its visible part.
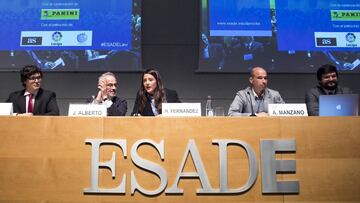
(35, 78)
(111, 85)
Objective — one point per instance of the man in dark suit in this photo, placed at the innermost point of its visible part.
(106, 95)
(33, 100)
(328, 84)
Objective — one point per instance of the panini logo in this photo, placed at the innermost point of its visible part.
(345, 15)
(60, 14)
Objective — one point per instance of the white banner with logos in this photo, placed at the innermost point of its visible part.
(338, 39)
(56, 38)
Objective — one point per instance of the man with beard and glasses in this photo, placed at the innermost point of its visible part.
(107, 86)
(327, 76)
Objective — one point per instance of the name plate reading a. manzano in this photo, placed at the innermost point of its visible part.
(87, 110)
(181, 109)
(6, 109)
(288, 110)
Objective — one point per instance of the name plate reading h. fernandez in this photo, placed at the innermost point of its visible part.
(287, 110)
(87, 110)
(181, 109)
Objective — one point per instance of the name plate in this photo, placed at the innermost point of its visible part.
(181, 109)
(287, 110)
(6, 109)
(87, 110)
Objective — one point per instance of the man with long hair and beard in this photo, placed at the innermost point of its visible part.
(327, 77)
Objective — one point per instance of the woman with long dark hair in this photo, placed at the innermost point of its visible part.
(152, 94)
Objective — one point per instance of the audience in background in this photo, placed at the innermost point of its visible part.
(213, 53)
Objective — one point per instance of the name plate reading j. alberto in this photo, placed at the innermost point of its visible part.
(287, 110)
(181, 109)
(87, 110)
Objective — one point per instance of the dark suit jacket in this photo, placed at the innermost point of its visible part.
(45, 102)
(171, 97)
(118, 108)
(312, 98)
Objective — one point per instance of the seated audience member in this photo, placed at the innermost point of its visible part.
(256, 97)
(33, 100)
(152, 94)
(327, 77)
(107, 86)
(213, 53)
(252, 46)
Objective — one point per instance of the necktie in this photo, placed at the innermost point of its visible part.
(30, 103)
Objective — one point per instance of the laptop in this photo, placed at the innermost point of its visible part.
(339, 105)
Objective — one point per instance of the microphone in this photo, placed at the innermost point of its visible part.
(251, 105)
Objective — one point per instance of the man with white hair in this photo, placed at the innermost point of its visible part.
(107, 86)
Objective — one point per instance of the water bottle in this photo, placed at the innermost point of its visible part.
(208, 108)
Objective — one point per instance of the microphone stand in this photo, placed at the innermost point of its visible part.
(251, 105)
